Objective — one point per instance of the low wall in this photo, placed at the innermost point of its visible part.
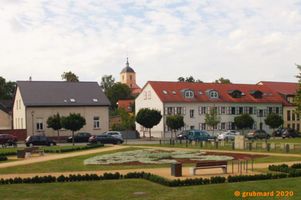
(19, 133)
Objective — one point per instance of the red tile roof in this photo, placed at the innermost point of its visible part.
(175, 92)
(285, 88)
(126, 104)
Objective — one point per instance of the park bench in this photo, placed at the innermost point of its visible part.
(209, 165)
(28, 151)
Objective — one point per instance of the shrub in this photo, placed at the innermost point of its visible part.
(3, 158)
(296, 166)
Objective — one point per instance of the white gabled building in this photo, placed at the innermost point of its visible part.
(194, 100)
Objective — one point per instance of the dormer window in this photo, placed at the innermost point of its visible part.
(188, 94)
(256, 94)
(236, 93)
(72, 100)
(164, 91)
(212, 94)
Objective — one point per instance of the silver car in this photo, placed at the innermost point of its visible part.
(228, 135)
(115, 134)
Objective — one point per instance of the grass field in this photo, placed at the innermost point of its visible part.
(76, 164)
(142, 189)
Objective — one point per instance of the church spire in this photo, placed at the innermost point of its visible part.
(127, 62)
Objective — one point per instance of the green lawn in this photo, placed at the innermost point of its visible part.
(142, 189)
(76, 164)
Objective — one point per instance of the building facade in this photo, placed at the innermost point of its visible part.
(5, 114)
(36, 101)
(194, 100)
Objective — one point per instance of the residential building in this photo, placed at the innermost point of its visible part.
(287, 90)
(5, 114)
(194, 100)
(36, 101)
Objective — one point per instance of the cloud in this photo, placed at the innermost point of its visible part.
(246, 41)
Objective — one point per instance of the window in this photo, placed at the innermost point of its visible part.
(256, 94)
(251, 112)
(169, 110)
(277, 110)
(298, 117)
(95, 100)
(293, 117)
(235, 93)
(72, 100)
(189, 94)
(96, 123)
(202, 110)
(131, 77)
(191, 127)
(123, 77)
(223, 110)
(164, 91)
(270, 110)
(293, 126)
(288, 115)
(202, 126)
(233, 110)
(298, 127)
(241, 110)
(223, 126)
(213, 94)
(191, 112)
(39, 124)
(179, 110)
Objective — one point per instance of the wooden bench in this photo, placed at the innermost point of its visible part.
(209, 165)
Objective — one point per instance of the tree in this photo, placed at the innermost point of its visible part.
(189, 79)
(273, 120)
(148, 118)
(70, 77)
(175, 122)
(127, 121)
(118, 91)
(244, 121)
(223, 81)
(297, 98)
(7, 89)
(107, 82)
(211, 118)
(54, 122)
(73, 122)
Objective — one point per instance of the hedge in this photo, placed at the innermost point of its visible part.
(293, 171)
(3, 158)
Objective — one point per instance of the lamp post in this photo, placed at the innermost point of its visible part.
(32, 125)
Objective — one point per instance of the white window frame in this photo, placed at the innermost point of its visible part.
(189, 94)
(96, 122)
(39, 124)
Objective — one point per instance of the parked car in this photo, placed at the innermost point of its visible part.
(80, 137)
(289, 132)
(228, 135)
(258, 134)
(39, 140)
(183, 135)
(116, 134)
(278, 132)
(8, 140)
(199, 135)
(105, 139)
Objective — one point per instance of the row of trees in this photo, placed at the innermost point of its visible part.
(7, 89)
(191, 79)
(73, 122)
(149, 118)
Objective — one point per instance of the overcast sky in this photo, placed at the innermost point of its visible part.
(243, 40)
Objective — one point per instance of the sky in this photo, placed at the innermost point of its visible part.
(245, 41)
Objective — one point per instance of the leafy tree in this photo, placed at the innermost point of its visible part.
(223, 81)
(7, 89)
(189, 79)
(148, 118)
(73, 122)
(70, 77)
(297, 98)
(211, 118)
(273, 120)
(127, 121)
(175, 122)
(244, 121)
(54, 122)
(107, 82)
(118, 91)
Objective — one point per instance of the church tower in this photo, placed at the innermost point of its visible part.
(128, 76)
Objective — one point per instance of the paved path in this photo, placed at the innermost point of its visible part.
(49, 157)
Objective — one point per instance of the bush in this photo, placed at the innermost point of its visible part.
(3, 158)
(296, 166)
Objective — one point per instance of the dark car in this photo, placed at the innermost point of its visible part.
(183, 135)
(258, 134)
(39, 140)
(105, 139)
(199, 135)
(80, 137)
(289, 132)
(278, 132)
(8, 140)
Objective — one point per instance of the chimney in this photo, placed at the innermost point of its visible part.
(30, 79)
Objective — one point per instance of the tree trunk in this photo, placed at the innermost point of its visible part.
(150, 134)
(58, 133)
(73, 138)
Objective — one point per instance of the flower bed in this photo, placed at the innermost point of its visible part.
(151, 156)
